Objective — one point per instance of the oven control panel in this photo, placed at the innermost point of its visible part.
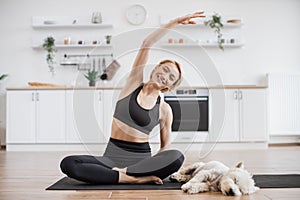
(188, 92)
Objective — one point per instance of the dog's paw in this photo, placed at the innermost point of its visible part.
(179, 177)
(193, 190)
(186, 187)
(175, 176)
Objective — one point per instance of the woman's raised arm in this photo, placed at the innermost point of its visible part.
(143, 54)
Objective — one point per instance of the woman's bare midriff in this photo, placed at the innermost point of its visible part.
(122, 131)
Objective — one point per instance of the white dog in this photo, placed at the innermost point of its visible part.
(215, 176)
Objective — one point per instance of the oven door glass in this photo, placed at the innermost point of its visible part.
(189, 114)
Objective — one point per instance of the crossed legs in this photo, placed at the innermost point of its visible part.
(102, 170)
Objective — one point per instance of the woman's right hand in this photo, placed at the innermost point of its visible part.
(187, 19)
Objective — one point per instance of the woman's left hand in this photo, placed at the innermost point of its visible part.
(187, 19)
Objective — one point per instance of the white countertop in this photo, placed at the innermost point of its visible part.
(118, 88)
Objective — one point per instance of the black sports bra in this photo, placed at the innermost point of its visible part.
(131, 113)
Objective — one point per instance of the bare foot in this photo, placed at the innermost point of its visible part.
(123, 170)
(147, 179)
(124, 178)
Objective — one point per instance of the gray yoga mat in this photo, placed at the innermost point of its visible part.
(67, 183)
(277, 181)
(262, 181)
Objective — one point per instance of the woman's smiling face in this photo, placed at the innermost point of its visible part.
(165, 75)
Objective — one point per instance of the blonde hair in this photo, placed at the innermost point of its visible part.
(178, 81)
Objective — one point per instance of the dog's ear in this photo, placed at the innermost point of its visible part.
(240, 165)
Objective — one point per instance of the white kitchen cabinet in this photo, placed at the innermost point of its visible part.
(55, 116)
(253, 114)
(89, 115)
(50, 116)
(36, 116)
(231, 130)
(20, 116)
(245, 116)
(84, 116)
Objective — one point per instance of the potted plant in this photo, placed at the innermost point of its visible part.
(3, 76)
(92, 77)
(216, 24)
(49, 46)
(108, 39)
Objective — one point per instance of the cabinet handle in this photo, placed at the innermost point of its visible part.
(37, 97)
(235, 95)
(240, 95)
(32, 96)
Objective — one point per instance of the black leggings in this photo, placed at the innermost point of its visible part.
(135, 156)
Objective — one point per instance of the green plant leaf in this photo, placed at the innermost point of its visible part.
(49, 46)
(91, 75)
(3, 76)
(216, 24)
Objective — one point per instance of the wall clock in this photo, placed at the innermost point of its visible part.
(136, 14)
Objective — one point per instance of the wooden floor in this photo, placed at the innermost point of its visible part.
(25, 175)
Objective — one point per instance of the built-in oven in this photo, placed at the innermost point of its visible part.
(190, 109)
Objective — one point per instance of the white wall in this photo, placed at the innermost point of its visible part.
(271, 34)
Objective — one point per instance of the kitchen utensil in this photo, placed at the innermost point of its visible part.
(97, 18)
(94, 64)
(110, 70)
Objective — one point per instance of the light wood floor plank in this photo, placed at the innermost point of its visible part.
(25, 175)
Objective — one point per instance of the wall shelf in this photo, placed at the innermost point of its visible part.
(67, 22)
(199, 34)
(186, 45)
(77, 28)
(77, 37)
(200, 22)
(72, 26)
(201, 25)
(62, 46)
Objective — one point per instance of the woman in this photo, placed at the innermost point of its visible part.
(127, 158)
